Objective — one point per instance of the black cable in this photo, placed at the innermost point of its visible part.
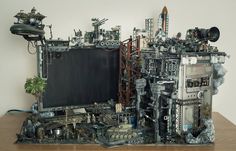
(19, 110)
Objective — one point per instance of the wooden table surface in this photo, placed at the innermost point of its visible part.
(11, 124)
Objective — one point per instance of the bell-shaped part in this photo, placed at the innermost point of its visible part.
(213, 34)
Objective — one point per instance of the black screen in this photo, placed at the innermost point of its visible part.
(82, 77)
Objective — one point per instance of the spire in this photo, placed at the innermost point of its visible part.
(164, 10)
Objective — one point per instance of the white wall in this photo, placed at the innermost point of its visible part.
(16, 64)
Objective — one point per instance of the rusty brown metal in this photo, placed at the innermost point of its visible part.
(129, 71)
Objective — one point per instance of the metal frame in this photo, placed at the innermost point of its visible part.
(129, 69)
(40, 62)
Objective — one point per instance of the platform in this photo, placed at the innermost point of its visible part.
(11, 124)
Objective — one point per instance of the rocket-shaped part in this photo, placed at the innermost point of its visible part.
(163, 22)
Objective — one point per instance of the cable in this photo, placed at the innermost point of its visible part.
(18, 110)
(33, 45)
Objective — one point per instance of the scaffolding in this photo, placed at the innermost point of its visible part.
(129, 69)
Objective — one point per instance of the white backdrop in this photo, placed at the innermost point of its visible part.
(16, 64)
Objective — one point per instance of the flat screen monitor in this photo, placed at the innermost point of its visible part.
(81, 77)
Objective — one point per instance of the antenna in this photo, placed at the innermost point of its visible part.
(50, 28)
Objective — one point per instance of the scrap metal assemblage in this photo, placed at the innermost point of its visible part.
(165, 86)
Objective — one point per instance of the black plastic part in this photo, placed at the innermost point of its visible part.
(212, 34)
(24, 29)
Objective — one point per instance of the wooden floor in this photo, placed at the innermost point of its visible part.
(11, 124)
